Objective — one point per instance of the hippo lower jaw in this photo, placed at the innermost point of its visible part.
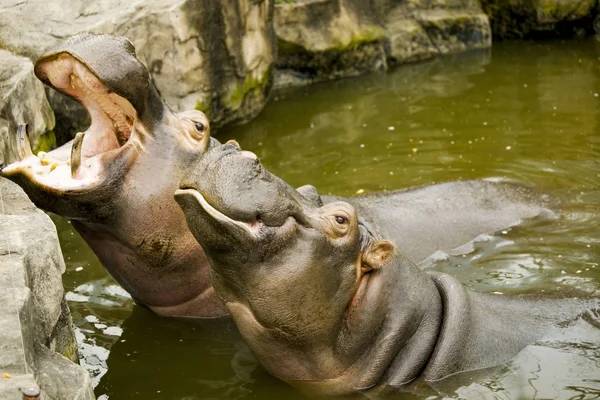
(210, 225)
(114, 132)
(249, 228)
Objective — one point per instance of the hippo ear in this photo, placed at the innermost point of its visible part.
(377, 255)
(310, 192)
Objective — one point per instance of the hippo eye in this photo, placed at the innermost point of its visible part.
(199, 126)
(340, 220)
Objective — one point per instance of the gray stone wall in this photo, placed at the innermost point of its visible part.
(37, 342)
(326, 39)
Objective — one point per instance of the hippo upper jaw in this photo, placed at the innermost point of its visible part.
(115, 122)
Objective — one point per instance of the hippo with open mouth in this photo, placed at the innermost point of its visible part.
(327, 305)
(115, 181)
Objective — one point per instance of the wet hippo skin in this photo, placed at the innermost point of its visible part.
(328, 305)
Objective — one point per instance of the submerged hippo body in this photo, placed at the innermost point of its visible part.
(325, 304)
(116, 183)
(116, 180)
(445, 216)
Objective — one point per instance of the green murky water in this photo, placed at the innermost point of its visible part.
(527, 111)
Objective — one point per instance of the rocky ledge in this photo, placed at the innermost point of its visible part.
(37, 342)
(326, 39)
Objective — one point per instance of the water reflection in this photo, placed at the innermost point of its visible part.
(527, 112)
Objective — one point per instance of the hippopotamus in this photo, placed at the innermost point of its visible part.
(329, 305)
(115, 182)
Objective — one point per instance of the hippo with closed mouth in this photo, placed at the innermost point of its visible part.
(326, 304)
(116, 182)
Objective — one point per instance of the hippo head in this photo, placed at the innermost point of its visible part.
(292, 272)
(128, 121)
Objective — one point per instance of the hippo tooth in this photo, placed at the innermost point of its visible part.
(233, 142)
(23, 144)
(76, 154)
(73, 79)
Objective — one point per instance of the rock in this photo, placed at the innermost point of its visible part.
(424, 28)
(60, 380)
(34, 315)
(456, 31)
(328, 39)
(555, 11)
(22, 100)
(213, 55)
(524, 18)
(408, 41)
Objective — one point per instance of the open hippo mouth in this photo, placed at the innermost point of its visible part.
(79, 70)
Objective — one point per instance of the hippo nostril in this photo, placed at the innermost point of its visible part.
(249, 154)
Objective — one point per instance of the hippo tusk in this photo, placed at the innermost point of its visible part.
(235, 143)
(76, 154)
(23, 144)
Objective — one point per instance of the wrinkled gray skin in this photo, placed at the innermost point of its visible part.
(327, 305)
(116, 182)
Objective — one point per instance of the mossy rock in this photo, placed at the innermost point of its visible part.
(362, 54)
(508, 18)
(539, 18)
(45, 142)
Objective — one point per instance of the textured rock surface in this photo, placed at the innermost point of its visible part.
(522, 18)
(22, 99)
(215, 55)
(35, 325)
(326, 39)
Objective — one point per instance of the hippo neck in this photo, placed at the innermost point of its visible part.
(146, 240)
(389, 346)
(452, 335)
(434, 328)
(471, 320)
(169, 275)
